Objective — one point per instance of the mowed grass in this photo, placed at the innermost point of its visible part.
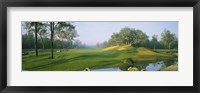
(79, 59)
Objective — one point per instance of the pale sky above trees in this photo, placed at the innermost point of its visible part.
(92, 32)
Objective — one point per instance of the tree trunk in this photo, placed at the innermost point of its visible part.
(52, 37)
(36, 46)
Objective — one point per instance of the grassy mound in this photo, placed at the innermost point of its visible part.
(145, 54)
(145, 51)
(171, 68)
(124, 47)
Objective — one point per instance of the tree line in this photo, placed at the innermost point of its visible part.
(60, 35)
(49, 35)
(45, 43)
(137, 38)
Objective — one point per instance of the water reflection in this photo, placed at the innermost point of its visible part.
(108, 69)
(153, 66)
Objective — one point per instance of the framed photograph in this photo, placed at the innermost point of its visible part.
(100, 46)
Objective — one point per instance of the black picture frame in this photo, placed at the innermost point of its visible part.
(98, 3)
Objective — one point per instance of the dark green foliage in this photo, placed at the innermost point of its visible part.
(128, 36)
(28, 41)
(169, 40)
(137, 38)
(34, 28)
(127, 61)
(50, 35)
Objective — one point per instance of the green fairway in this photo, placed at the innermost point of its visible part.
(99, 46)
(79, 59)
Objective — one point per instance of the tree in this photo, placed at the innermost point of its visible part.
(33, 27)
(77, 44)
(115, 39)
(139, 38)
(175, 42)
(154, 41)
(167, 38)
(28, 41)
(52, 37)
(128, 36)
(29, 37)
(42, 31)
(133, 36)
(66, 30)
(71, 34)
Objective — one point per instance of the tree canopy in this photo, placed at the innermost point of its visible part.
(137, 38)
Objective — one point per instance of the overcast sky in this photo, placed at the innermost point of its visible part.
(92, 32)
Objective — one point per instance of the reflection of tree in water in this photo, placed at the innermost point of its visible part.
(169, 62)
(164, 64)
(126, 63)
(125, 67)
(141, 67)
(161, 64)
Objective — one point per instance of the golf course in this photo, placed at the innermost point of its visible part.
(79, 59)
(99, 46)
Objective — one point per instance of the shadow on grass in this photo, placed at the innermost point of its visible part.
(57, 62)
(93, 56)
